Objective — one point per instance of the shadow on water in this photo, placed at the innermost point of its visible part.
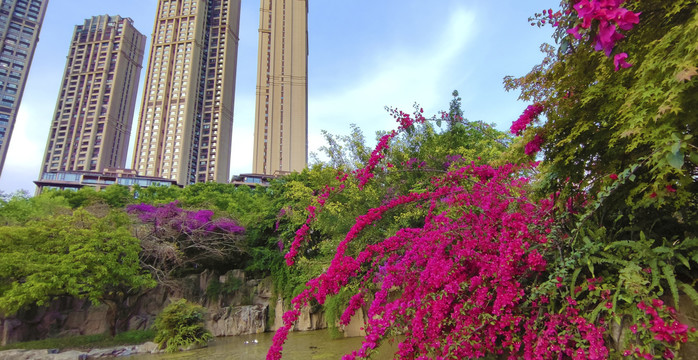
(308, 345)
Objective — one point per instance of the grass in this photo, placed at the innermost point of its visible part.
(84, 342)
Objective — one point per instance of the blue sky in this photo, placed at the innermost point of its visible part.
(364, 55)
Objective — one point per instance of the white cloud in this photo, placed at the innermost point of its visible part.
(400, 77)
(24, 154)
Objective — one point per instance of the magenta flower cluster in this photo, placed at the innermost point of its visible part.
(611, 18)
(406, 121)
(461, 277)
(533, 146)
(528, 116)
(171, 215)
(663, 326)
(363, 175)
(461, 285)
(519, 126)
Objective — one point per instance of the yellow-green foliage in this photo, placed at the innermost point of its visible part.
(181, 325)
(79, 255)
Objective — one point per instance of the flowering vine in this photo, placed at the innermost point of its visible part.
(467, 283)
(611, 18)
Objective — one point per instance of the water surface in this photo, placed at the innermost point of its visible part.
(307, 345)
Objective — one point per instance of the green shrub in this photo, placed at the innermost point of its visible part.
(181, 325)
(216, 288)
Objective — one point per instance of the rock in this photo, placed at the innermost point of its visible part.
(68, 355)
(278, 314)
(147, 348)
(356, 325)
(8, 331)
(237, 320)
(309, 320)
(241, 312)
(263, 292)
(17, 354)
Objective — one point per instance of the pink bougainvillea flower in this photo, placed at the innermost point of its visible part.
(575, 32)
(530, 114)
(613, 176)
(619, 61)
(626, 19)
(534, 145)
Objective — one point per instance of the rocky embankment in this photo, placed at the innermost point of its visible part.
(149, 347)
(248, 307)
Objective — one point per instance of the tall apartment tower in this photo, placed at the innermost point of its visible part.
(92, 123)
(186, 123)
(281, 124)
(20, 23)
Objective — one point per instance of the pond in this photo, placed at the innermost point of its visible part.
(306, 345)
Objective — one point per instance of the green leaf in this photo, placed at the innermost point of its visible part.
(670, 277)
(675, 159)
(676, 147)
(654, 268)
(597, 310)
(575, 274)
(694, 157)
(683, 260)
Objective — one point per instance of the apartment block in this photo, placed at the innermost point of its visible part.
(186, 122)
(94, 112)
(20, 24)
(281, 113)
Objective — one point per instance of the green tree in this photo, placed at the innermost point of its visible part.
(19, 208)
(620, 156)
(77, 255)
(116, 196)
(641, 119)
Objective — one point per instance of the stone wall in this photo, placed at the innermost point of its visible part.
(243, 311)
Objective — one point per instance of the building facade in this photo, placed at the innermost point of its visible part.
(281, 114)
(92, 123)
(98, 180)
(20, 24)
(186, 122)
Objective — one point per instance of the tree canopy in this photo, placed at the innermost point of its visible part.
(78, 255)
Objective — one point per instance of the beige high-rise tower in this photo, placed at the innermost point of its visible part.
(186, 122)
(20, 23)
(281, 124)
(94, 112)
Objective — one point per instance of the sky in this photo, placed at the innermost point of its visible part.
(363, 55)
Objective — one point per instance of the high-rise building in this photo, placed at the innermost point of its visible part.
(94, 112)
(281, 120)
(186, 122)
(20, 23)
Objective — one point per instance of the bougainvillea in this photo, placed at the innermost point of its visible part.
(185, 220)
(528, 116)
(494, 268)
(610, 18)
(174, 239)
(470, 281)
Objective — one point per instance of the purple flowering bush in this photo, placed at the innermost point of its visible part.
(175, 240)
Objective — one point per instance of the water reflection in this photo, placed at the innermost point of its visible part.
(308, 345)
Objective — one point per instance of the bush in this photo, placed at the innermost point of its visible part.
(181, 325)
(216, 288)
